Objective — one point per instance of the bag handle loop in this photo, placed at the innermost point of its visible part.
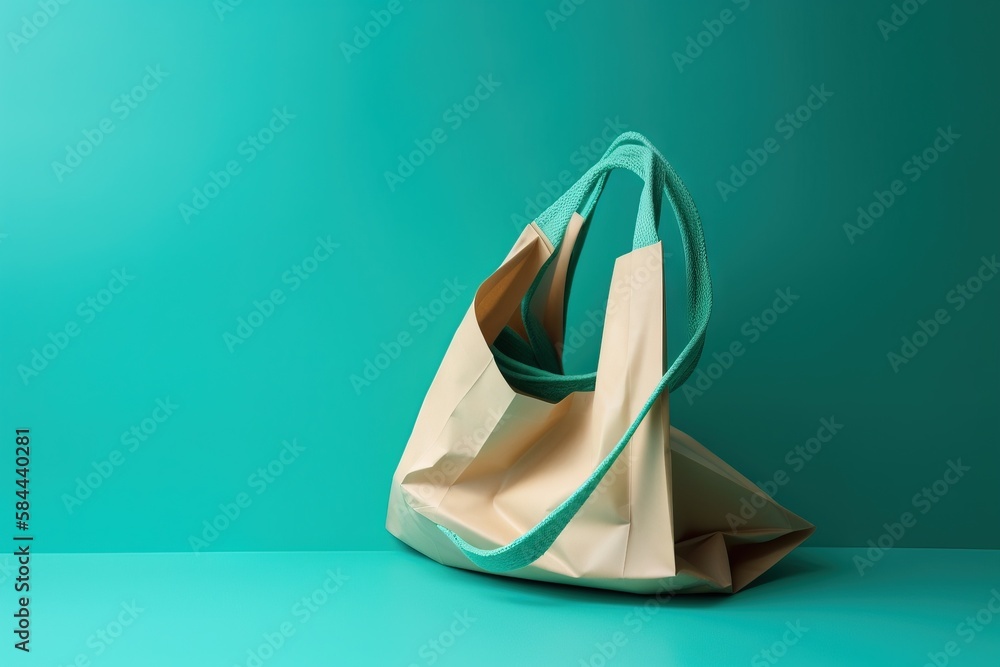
(644, 160)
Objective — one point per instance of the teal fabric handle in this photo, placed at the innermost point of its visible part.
(639, 159)
(643, 159)
(590, 201)
(543, 351)
(583, 196)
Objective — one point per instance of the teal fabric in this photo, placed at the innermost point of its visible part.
(531, 366)
(545, 351)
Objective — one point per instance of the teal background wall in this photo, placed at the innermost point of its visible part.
(263, 99)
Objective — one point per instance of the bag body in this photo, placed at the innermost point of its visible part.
(515, 468)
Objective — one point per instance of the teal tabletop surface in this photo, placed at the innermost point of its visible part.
(382, 608)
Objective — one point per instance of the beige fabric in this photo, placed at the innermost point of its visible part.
(489, 462)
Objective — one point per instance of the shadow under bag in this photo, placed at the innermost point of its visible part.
(516, 468)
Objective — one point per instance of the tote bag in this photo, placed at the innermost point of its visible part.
(516, 468)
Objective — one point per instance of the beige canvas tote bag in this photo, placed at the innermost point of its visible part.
(516, 468)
